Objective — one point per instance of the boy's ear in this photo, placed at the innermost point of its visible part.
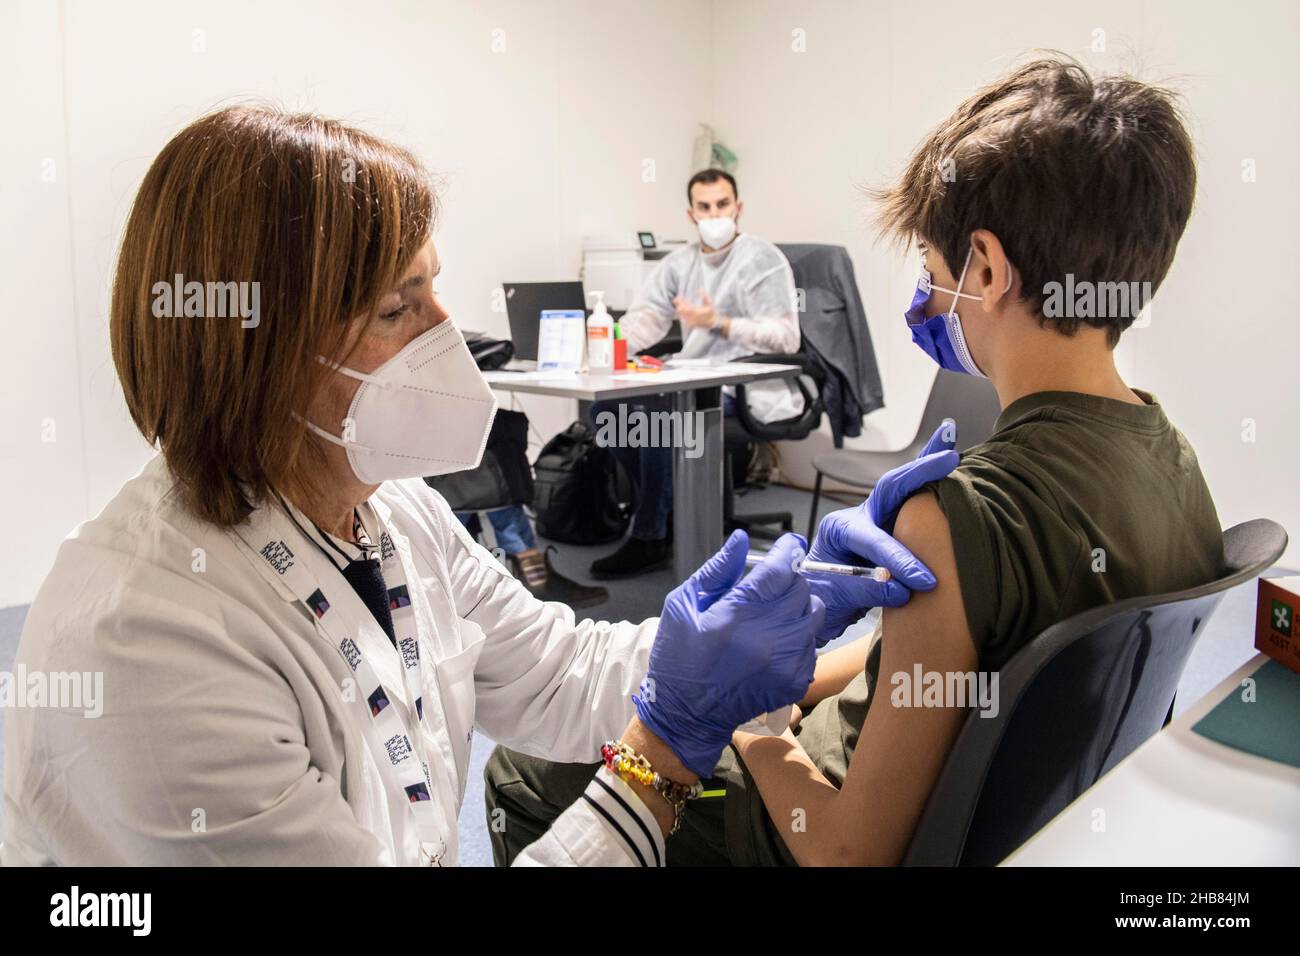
(995, 274)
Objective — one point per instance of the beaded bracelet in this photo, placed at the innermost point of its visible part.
(630, 766)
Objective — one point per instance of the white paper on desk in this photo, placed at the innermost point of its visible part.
(560, 338)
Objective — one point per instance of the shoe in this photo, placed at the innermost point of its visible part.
(636, 556)
(538, 575)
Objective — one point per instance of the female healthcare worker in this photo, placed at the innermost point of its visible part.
(295, 641)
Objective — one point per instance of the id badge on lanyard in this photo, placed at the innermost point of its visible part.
(392, 734)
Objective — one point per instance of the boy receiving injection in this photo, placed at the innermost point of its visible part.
(1085, 494)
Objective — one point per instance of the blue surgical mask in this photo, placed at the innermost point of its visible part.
(940, 336)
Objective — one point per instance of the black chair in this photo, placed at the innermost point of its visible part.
(1073, 703)
(968, 400)
(742, 428)
(831, 317)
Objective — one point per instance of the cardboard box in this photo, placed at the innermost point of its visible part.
(1277, 630)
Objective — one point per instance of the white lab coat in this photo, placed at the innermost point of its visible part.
(225, 737)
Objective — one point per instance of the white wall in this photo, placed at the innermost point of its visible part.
(1223, 343)
(539, 142)
(45, 483)
(546, 140)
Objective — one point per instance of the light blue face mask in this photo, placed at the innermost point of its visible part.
(940, 336)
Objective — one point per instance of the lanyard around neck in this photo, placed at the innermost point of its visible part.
(395, 741)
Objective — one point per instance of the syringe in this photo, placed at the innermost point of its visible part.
(825, 567)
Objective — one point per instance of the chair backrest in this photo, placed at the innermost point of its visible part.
(812, 265)
(808, 383)
(1072, 703)
(968, 400)
(808, 269)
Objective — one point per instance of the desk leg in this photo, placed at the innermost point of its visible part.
(697, 483)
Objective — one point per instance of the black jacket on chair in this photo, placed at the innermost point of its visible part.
(836, 335)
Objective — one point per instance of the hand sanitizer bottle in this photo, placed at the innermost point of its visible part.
(600, 337)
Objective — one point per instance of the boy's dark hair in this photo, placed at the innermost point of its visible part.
(1075, 176)
(711, 176)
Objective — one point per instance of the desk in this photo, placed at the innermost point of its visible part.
(1180, 799)
(697, 482)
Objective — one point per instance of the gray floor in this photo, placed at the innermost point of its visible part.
(1226, 643)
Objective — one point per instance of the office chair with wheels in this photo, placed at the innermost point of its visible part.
(836, 355)
(970, 401)
(1072, 704)
(744, 428)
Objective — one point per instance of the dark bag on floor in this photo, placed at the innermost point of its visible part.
(502, 477)
(582, 495)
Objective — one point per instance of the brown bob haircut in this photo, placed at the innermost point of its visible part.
(1093, 178)
(324, 219)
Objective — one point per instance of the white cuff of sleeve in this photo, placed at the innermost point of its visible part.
(626, 816)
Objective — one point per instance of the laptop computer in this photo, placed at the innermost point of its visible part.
(524, 304)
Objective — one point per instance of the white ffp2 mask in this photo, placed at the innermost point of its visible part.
(717, 232)
(426, 411)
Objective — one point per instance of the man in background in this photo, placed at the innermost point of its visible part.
(734, 295)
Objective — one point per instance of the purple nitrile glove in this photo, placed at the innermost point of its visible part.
(864, 535)
(729, 649)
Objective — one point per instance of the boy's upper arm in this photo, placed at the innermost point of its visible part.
(902, 749)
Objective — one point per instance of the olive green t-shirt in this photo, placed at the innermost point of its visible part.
(1075, 501)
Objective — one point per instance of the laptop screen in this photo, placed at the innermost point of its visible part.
(524, 304)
